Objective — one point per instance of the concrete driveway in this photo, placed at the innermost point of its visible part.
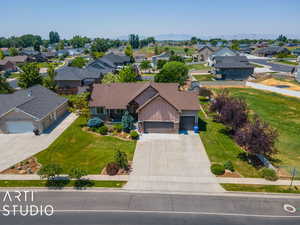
(17, 147)
(172, 163)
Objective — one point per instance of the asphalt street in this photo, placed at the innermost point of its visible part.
(137, 208)
(274, 66)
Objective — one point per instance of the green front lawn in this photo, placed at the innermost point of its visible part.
(221, 148)
(257, 65)
(42, 183)
(198, 67)
(281, 112)
(80, 149)
(262, 188)
(204, 77)
(47, 64)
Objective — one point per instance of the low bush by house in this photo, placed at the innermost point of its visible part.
(217, 169)
(269, 174)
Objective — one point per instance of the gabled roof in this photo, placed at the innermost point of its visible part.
(69, 73)
(17, 59)
(119, 95)
(36, 101)
(225, 52)
(212, 49)
(272, 50)
(232, 62)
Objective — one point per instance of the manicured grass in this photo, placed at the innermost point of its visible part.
(287, 62)
(46, 64)
(262, 188)
(256, 65)
(281, 112)
(42, 183)
(204, 77)
(220, 147)
(198, 67)
(80, 149)
(148, 74)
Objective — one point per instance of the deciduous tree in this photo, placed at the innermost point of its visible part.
(30, 76)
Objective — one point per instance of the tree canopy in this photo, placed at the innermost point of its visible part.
(134, 41)
(30, 76)
(53, 37)
(172, 72)
(79, 42)
(78, 62)
(49, 81)
(4, 86)
(127, 74)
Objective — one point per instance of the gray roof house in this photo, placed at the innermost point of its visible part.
(72, 77)
(232, 67)
(271, 51)
(222, 52)
(29, 109)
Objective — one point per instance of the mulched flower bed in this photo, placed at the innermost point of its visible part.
(121, 171)
(28, 166)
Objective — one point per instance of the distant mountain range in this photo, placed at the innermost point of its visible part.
(181, 37)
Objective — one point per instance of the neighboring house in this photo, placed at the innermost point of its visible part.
(158, 107)
(29, 109)
(18, 60)
(271, 51)
(74, 77)
(296, 51)
(222, 52)
(204, 53)
(163, 56)
(232, 67)
(138, 58)
(29, 52)
(7, 66)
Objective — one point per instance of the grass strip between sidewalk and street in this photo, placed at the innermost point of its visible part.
(262, 188)
(42, 183)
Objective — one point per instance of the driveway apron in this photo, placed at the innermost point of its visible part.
(172, 163)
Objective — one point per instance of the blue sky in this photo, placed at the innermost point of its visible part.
(115, 18)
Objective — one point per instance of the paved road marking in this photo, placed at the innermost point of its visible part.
(289, 208)
(164, 212)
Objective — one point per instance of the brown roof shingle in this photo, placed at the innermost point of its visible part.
(118, 95)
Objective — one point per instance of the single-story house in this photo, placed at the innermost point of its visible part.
(232, 67)
(29, 109)
(18, 60)
(298, 74)
(271, 51)
(74, 77)
(163, 56)
(204, 53)
(157, 107)
(6, 65)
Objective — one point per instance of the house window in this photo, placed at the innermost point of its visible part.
(100, 110)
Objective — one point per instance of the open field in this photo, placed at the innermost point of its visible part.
(149, 51)
(277, 82)
(79, 149)
(282, 113)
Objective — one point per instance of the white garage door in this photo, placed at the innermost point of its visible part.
(19, 126)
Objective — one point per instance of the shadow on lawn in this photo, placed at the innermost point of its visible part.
(202, 125)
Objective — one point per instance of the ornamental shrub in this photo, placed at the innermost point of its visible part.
(269, 174)
(103, 130)
(95, 122)
(121, 159)
(229, 166)
(118, 127)
(112, 168)
(217, 169)
(134, 135)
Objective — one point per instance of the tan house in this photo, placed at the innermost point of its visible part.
(18, 60)
(157, 107)
(6, 65)
(30, 109)
(204, 53)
